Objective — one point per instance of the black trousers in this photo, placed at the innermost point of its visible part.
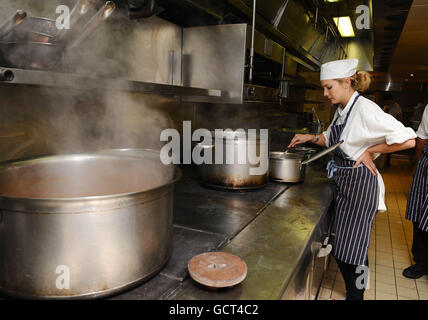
(420, 245)
(353, 280)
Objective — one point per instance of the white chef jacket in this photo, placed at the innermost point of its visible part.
(423, 126)
(368, 125)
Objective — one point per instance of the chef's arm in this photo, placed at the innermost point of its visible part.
(302, 138)
(389, 148)
(419, 147)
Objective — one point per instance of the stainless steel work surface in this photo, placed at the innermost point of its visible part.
(274, 243)
(188, 243)
(219, 211)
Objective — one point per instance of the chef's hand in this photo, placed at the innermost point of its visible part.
(367, 159)
(301, 138)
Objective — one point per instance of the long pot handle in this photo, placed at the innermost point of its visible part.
(101, 15)
(12, 22)
(322, 153)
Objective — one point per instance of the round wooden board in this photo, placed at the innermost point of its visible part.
(217, 269)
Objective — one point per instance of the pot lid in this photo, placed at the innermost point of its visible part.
(217, 269)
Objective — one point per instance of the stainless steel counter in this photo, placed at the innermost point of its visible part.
(279, 246)
(277, 230)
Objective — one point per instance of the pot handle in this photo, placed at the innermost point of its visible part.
(322, 153)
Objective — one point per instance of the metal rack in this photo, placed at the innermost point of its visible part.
(83, 82)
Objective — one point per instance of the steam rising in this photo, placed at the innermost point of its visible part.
(56, 121)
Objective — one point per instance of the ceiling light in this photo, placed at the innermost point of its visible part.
(344, 25)
(411, 74)
(332, 0)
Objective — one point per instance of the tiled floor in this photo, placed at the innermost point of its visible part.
(390, 244)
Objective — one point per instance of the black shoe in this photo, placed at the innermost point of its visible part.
(416, 271)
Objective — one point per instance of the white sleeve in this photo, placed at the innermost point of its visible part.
(382, 126)
(326, 135)
(423, 126)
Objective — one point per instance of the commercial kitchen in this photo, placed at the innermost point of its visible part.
(91, 92)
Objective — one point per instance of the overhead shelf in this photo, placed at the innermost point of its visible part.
(300, 82)
(83, 82)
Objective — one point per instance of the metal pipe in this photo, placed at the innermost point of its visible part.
(6, 75)
(12, 22)
(100, 16)
(280, 13)
(316, 19)
(250, 79)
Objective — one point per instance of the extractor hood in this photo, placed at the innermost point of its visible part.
(309, 36)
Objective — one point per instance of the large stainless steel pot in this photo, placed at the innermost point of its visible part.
(291, 167)
(236, 174)
(86, 225)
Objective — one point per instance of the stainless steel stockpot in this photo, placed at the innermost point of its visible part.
(236, 174)
(84, 225)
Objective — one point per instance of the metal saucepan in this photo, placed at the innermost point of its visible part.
(47, 55)
(33, 29)
(84, 225)
(236, 175)
(36, 29)
(290, 167)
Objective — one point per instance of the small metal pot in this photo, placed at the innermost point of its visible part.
(286, 167)
(290, 167)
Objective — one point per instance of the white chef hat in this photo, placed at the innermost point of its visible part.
(338, 69)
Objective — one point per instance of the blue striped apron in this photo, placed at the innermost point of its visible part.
(417, 205)
(357, 199)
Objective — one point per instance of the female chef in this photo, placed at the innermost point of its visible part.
(367, 131)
